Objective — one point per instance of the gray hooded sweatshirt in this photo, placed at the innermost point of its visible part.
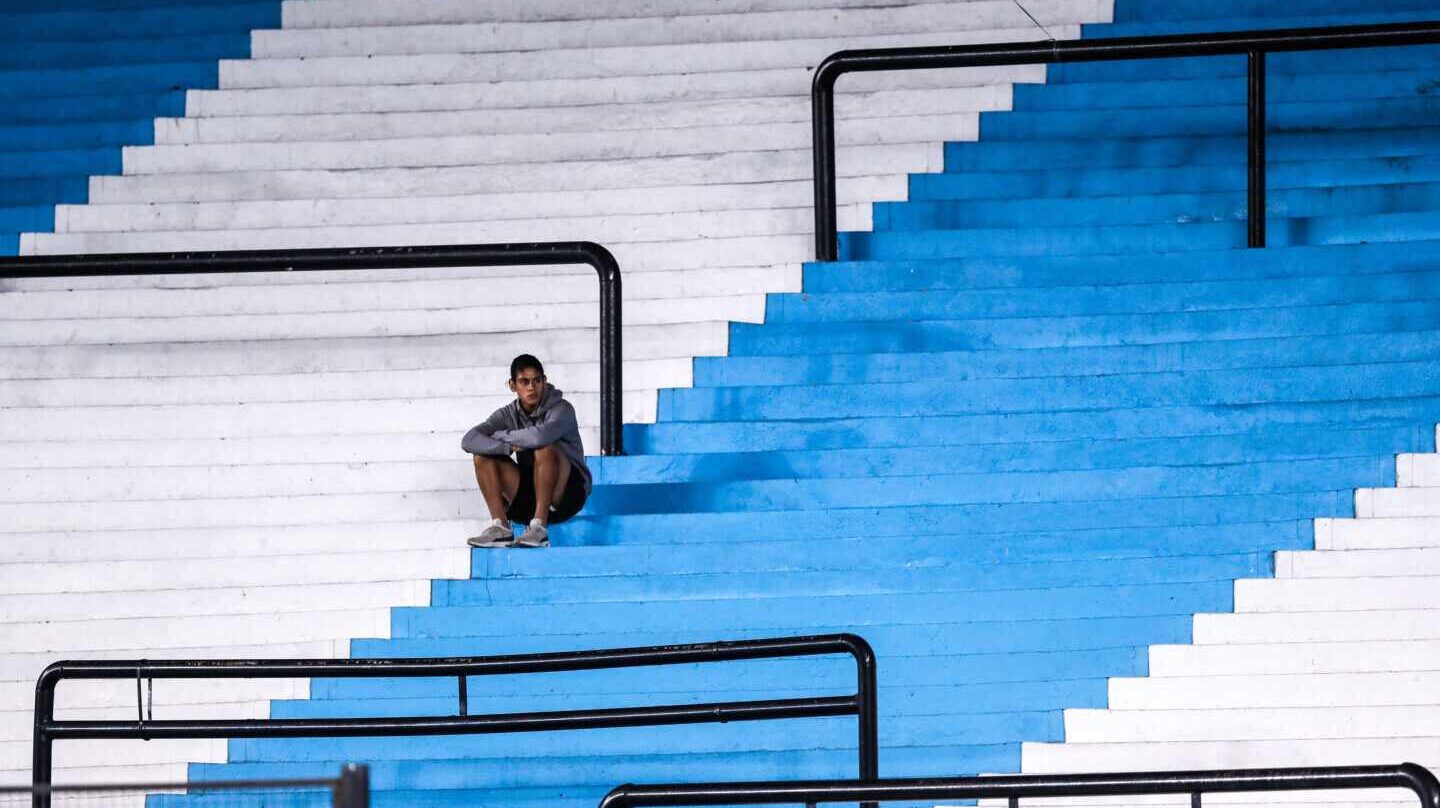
(553, 422)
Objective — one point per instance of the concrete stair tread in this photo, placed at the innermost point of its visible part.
(720, 25)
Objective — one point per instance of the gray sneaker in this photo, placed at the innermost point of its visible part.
(534, 536)
(498, 534)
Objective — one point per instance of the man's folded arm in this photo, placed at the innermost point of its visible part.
(561, 422)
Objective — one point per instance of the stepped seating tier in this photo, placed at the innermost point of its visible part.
(1057, 417)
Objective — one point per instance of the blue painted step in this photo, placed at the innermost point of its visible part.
(1154, 238)
(823, 733)
(42, 190)
(1047, 362)
(449, 772)
(129, 50)
(1156, 208)
(64, 22)
(802, 434)
(984, 518)
(117, 107)
(998, 660)
(1142, 10)
(1281, 89)
(60, 82)
(1289, 443)
(1006, 272)
(1091, 154)
(61, 165)
(1217, 388)
(1089, 182)
(18, 140)
(1089, 301)
(1215, 119)
(1361, 60)
(702, 585)
(886, 551)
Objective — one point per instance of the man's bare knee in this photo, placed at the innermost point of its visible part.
(546, 454)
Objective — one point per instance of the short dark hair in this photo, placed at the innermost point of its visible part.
(524, 362)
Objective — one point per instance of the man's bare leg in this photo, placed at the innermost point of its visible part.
(552, 473)
(499, 479)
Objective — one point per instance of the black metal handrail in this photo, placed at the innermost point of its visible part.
(1013, 788)
(460, 255)
(1254, 44)
(862, 704)
(351, 789)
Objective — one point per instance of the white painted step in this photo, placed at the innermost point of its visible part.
(1363, 534)
(560, 347)
(16, 755)
(889, 104)
(1417, 470)
(795, 53)
(203, 452)
(478, 208)
(508, 150)
(1142, 694)
(1043, 758)
(1337, 594)
(661, 29)
(231, 543)
(717, 250)
(785, 82)
(1407, 562)
(84, 391)
(94, 774)
(445, 415)
(1316, 626)
(99, 484)
(17, 725)
(1249, 724)
(184, 636)
(336, 13)
(647, 172)
(1397, 502)
(376, 295)
(256, 512)
(1294, 657)
(170, 696)
(316, 569)
(262, 599)
(478, 320)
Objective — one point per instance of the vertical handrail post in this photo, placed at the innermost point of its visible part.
(612, 384)
(42, 748)
(1255, 143)
(822, 124)
(867, 711)
(352, 790)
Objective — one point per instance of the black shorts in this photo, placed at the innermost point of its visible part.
(522, 508)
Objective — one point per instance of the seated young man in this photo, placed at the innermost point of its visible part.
(547, 481)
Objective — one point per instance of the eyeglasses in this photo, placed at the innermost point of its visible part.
(529, 381)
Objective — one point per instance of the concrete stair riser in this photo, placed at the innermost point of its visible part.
(549, 93)
(1063, 331)
(1250, 724)
(1323, 623)
(1397, 380)
(483, 207)
(791, 435)
(1358, 689)
(794, 51)
(661, 29)
(1179, 208)
(647, 172)
(758, 110)
(1083, 301)
(560, 347)
(744, 371)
